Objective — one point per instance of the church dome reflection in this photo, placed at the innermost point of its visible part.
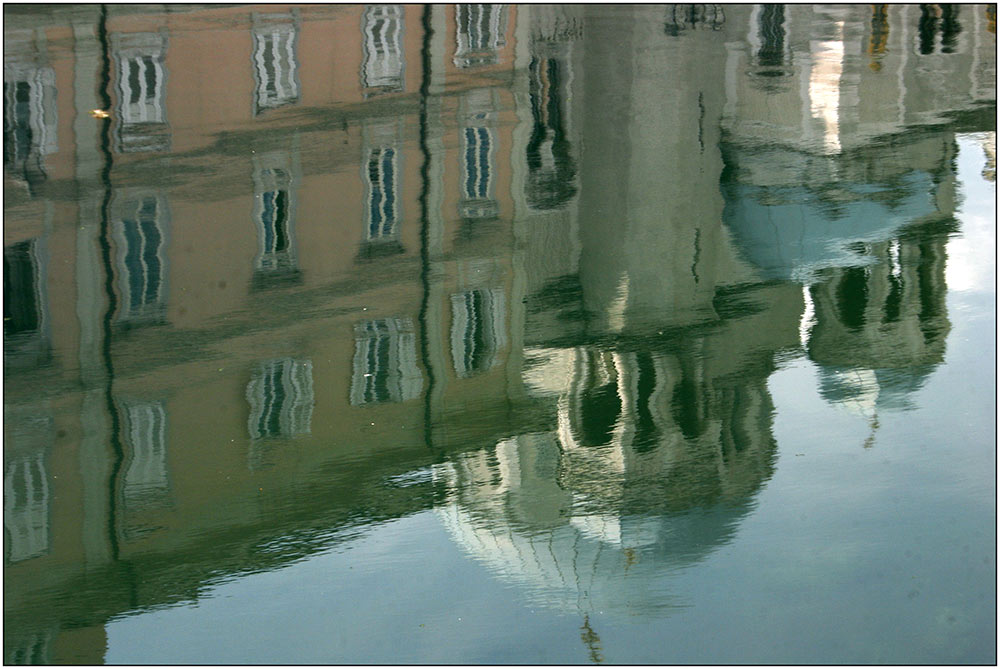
(595, 515)
(879, 330)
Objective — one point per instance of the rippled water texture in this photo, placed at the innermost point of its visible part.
(499, 334)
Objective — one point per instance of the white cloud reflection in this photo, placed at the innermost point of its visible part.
(971, 254)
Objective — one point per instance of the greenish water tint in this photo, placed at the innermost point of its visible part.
(500, 334)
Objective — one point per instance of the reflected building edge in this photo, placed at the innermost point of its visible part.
(550, 289)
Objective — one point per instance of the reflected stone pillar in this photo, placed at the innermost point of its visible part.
(91, 302)
(434, 330)
(608, 65)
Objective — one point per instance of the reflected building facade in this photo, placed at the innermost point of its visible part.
(531, 273)
(818, 191)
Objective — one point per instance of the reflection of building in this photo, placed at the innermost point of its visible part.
(527, 265)
(648, 469)
(796, 80)
(820, 190)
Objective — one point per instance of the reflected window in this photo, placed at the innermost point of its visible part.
(771, 32)
(477, 175)
(934, 20)
(22, 289)
(141, 79)
(852, 297)
(894, 297)
(275, 62)
(595, 402)
(688, 400)
(26, 506)
(480, 34)
(551, 168)
(771, 66)
(385, 362)
(477, 330)
(879, 38)
(648, 432)
(382, 199)
(382, 32)
(30, 121)
(140, 233)
(693, 17)
(276, 263)
(478, 168)
(145, 426)
(32, 648)
(280, 394)
(25, 306)
(478, 149)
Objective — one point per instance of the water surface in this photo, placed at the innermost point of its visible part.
(499, 334)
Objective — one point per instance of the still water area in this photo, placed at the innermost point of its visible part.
(499, 334)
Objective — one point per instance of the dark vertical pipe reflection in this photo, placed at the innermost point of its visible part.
(425, 64)
(105, 243)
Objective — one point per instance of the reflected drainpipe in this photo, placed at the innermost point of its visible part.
(425, 266)
(105, 244)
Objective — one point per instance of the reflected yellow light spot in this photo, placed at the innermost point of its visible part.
(99, 113)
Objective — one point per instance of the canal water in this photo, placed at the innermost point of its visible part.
(499, 334)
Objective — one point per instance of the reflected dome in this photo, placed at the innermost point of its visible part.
(596, 514)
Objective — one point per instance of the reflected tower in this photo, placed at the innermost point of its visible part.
(879, 329)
